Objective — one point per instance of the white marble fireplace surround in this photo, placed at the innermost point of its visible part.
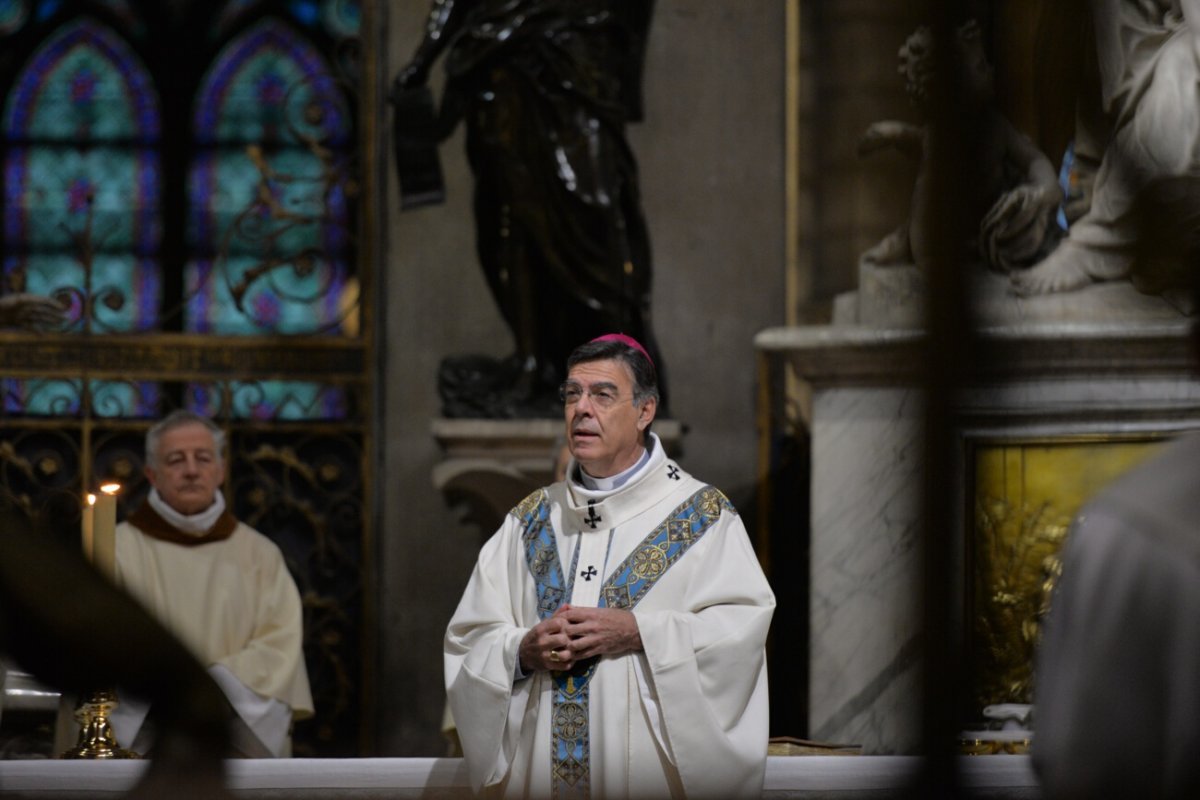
(1047, 379)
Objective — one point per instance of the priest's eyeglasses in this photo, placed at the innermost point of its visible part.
(602, 395)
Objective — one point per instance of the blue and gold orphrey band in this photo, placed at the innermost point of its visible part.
(629, 583)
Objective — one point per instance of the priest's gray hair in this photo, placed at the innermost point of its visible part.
(177, 419)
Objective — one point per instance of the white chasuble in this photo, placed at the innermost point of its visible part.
(235, 605)
(687, 716)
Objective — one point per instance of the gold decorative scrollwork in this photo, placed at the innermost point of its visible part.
(1024, 497)
(1012, 544)
(9, 455)
(570, 720)
(649, 562)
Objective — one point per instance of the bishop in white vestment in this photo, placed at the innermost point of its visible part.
(610, 642)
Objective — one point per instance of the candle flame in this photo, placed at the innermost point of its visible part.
(91, 499)
(111, 488)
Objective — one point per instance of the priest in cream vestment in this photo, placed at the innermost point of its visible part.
(610, 642)
(219, 585)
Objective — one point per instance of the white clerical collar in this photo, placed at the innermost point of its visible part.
(188, 523)
(614, 482)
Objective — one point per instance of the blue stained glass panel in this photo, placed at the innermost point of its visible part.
(42, 397)
(305, 11)
(13, 14)
(51, 191)
(306, 208)
(114, 399)
(228, 298)
(342, 17)
(276, 400)
(338, 17)
(126, 292)
(48, 8)
(63, 398)
(270, 85)
(84, 84)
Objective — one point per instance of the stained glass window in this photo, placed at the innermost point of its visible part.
(267, 204)
(266, 190)
(226, 212)
(82, 182)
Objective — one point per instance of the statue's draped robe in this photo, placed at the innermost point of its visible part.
(546, 89)
(688, 715)
(236, 607)
(1149, 67)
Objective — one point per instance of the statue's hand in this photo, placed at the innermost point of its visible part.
(1013, 230)
(1017, 207)
(30, 311)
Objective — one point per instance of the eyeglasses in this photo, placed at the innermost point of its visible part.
(602, 396)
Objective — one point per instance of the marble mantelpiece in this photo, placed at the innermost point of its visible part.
(1082, 376)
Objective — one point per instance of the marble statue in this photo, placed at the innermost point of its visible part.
(1147, 52)
(1018, 195)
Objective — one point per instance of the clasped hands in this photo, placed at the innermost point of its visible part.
(576, 633)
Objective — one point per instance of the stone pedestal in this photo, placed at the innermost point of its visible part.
(893, 297)
(1046, 379)
(490, 465)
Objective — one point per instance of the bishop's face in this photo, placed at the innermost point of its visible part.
(604, 427)
(188, 469)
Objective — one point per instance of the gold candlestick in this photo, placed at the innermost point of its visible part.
(96, 737)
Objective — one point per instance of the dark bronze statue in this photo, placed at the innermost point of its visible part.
(546, 89)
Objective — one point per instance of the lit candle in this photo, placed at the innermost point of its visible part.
(104, 545)
(87, 524)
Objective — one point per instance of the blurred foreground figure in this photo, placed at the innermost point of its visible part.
(218, 584)
(64, 623)
(1118, 675)
(610, 643)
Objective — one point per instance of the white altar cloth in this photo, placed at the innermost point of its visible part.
(801, 777)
